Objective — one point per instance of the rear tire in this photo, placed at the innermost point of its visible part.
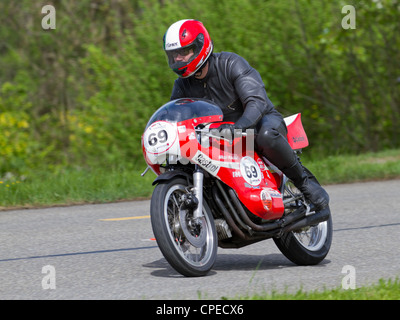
(166, 215)
(308, 246)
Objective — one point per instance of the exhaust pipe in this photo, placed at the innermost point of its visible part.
(249, 238)
(228, 217)
(271, 226)
(292, 222)
(310, 220)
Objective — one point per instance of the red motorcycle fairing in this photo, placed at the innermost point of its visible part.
(240, 167)
(158, 140)
(234, 163)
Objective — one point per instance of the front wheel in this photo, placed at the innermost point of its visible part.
(189, 246)
(308, 246)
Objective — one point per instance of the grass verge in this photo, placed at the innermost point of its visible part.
(383, 290)
(100, 185)
(73, 186)
(355, 168)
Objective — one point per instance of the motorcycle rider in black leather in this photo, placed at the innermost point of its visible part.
(230, 82)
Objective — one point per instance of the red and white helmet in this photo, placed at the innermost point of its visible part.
(182, 37)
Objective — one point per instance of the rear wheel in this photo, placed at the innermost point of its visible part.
(188, 245)
(308, 246)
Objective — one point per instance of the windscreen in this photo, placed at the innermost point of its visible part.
(184, 109)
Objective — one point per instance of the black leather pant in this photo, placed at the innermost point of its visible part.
(271, 141)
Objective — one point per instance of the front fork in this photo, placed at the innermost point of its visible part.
(198, 177)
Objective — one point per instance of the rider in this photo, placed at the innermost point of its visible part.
(229, 81)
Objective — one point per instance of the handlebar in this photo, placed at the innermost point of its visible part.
(206, 131)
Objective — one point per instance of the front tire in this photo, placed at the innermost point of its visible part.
(308, 246)
(170, 224)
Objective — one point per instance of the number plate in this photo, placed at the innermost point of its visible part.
(159, 137)
(250, 171)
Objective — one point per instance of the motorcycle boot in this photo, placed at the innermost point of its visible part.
(308, 185)
(272, 143)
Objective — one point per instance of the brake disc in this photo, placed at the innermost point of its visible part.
(195, 232)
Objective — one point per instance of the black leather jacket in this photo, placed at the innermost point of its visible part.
(233, 85)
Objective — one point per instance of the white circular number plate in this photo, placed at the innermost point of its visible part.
(250, 171)
(159, 137)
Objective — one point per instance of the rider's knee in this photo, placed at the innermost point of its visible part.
(268, 138)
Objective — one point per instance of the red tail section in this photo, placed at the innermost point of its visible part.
(296, 135)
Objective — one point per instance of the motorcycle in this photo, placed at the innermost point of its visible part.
(213, 191)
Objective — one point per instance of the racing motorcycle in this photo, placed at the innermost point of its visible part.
(213, 191)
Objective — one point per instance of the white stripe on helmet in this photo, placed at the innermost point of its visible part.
(172, 41)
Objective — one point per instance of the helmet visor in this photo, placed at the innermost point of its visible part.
(182, 60)
(180, 57)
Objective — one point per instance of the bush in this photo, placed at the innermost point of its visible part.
(80, 95)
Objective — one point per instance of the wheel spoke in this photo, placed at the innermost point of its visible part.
(312, 238)
(191, 253)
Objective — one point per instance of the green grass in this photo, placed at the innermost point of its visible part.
(354, 168)
(73, 186)
(100, 185)
(383, 290)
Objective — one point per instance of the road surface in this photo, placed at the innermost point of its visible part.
(106, 252)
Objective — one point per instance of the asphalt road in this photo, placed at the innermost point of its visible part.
(77, 253)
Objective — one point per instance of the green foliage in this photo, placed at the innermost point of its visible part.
(80, 95)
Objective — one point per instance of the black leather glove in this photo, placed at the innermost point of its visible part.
(226, 130)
